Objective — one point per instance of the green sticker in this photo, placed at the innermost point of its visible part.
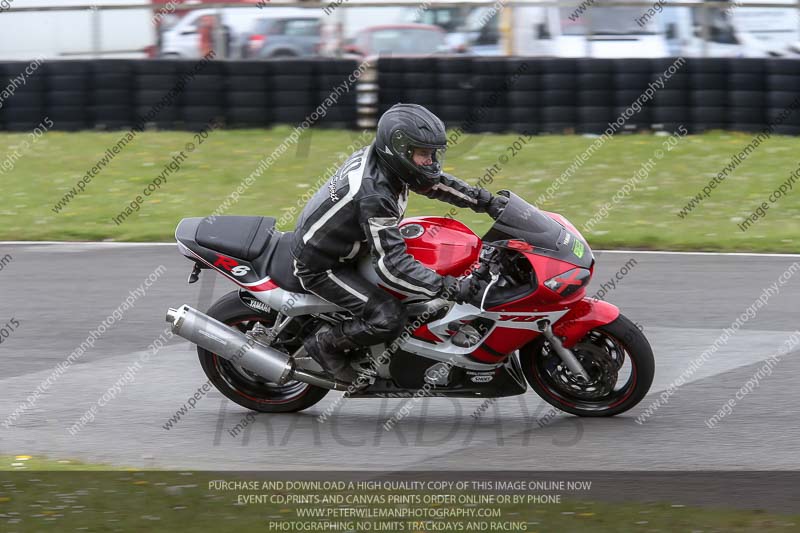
(577, 248)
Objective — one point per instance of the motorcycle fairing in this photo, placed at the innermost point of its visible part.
(508, 332)
(506, 379)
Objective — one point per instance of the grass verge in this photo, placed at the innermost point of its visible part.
(59, 496)
(647, 219)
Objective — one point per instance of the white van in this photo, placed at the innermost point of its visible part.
(734, 31)
(775, 30)
(68, 34)
(605, 31)
(550, 32)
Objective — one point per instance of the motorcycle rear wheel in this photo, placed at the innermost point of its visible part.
(610, 352)
(244, 387)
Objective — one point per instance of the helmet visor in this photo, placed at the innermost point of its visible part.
(429, 160)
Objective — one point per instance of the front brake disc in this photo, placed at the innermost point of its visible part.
(598, 363)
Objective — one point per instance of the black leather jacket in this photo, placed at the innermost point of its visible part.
(359, 209)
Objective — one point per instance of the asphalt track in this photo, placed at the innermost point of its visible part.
(59, 292)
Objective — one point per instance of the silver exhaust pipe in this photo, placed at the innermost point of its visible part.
(245, 351)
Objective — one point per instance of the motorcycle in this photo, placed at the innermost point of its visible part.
(532, 324)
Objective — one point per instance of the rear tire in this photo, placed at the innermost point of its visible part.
(243, 387)
(617, 349)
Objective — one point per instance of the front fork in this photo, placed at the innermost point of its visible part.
(572, 327)
(564, 353)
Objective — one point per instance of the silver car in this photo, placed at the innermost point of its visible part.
(283, 37)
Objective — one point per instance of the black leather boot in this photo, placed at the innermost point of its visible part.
(327, 347)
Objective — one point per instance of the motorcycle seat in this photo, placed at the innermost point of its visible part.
(248, 238)
(243, 237)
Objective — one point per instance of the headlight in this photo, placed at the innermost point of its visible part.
(568, 282)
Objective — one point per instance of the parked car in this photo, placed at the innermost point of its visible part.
(398, 39)
(185, 38)
(283, 37)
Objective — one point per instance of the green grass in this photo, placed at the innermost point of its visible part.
(21, 463)
(58, 496)
(646, 220)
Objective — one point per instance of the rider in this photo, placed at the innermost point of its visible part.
(358, 211)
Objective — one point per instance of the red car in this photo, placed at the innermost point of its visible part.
(398, 39)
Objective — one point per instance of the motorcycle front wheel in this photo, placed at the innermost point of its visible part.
(618, 359)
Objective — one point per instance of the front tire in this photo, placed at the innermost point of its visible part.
(618, 359)
(244, 387)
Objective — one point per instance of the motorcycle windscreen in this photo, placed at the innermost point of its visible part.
(520, 220)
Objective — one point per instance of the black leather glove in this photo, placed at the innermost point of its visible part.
(496, 206)
(462, 290)
(483, 197)
(483, 272)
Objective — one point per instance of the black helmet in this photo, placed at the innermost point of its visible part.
(405, 127)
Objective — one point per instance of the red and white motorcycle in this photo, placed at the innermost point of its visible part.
(533, 322)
